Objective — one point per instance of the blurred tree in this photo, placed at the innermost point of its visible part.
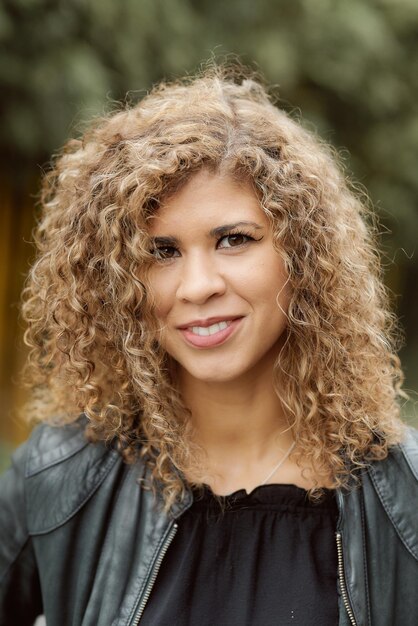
(352, 68)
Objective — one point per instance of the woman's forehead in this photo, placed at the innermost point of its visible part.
(209, 197)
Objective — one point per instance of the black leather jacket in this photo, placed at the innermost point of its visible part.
(82, 542)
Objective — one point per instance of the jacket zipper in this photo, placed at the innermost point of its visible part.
(154, 574)
(343, 585)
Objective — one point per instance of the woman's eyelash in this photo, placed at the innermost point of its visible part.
(160, 251)
(239, 233)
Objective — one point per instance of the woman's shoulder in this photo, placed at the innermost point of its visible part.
(61, 470)
(409, 449)
(51, 445)
(402, 459)
(397, 474)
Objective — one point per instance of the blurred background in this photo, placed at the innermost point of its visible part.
(350, 68)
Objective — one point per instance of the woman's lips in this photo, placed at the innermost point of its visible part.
(215, 339)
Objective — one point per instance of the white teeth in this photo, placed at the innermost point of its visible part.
(209, 330)
(199, 330)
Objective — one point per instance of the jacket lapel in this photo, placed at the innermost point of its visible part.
(395, 481)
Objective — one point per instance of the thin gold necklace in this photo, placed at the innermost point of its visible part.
(279, 464)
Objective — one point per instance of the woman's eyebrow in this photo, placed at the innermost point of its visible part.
(165, 241)
(225, 228)
(214, 232)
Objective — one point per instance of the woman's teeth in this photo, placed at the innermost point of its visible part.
(209, 330)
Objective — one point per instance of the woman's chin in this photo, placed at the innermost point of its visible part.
(212, 375)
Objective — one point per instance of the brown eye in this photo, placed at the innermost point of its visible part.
(164, 252)
(234, 240)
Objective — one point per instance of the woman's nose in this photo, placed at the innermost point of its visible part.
(199, 279)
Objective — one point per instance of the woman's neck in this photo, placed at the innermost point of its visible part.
(241, 427)
(236, 418)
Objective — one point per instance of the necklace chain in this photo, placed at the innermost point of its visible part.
(279, 464)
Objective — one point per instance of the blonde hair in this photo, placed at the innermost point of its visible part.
(90, 326)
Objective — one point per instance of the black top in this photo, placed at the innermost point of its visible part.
(269, 558)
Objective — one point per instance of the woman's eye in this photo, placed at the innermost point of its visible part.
(164, 252)
(233, 241)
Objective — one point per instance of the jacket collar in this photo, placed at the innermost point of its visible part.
(395, 481)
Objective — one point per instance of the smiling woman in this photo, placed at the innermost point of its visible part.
(214, 361)
(222, 285)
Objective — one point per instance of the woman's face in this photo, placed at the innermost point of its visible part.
(220, 287)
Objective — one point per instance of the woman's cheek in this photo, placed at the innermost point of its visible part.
(160, 296)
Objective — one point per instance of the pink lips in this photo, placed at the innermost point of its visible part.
(208, 341)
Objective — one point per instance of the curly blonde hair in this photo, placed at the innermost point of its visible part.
(90, 323)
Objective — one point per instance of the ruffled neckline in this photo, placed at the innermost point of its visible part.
(270, 495)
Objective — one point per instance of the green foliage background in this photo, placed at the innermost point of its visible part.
(350, 66)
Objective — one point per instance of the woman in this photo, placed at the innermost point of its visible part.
(207, 296)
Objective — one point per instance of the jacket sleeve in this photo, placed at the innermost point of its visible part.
(20, 593)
